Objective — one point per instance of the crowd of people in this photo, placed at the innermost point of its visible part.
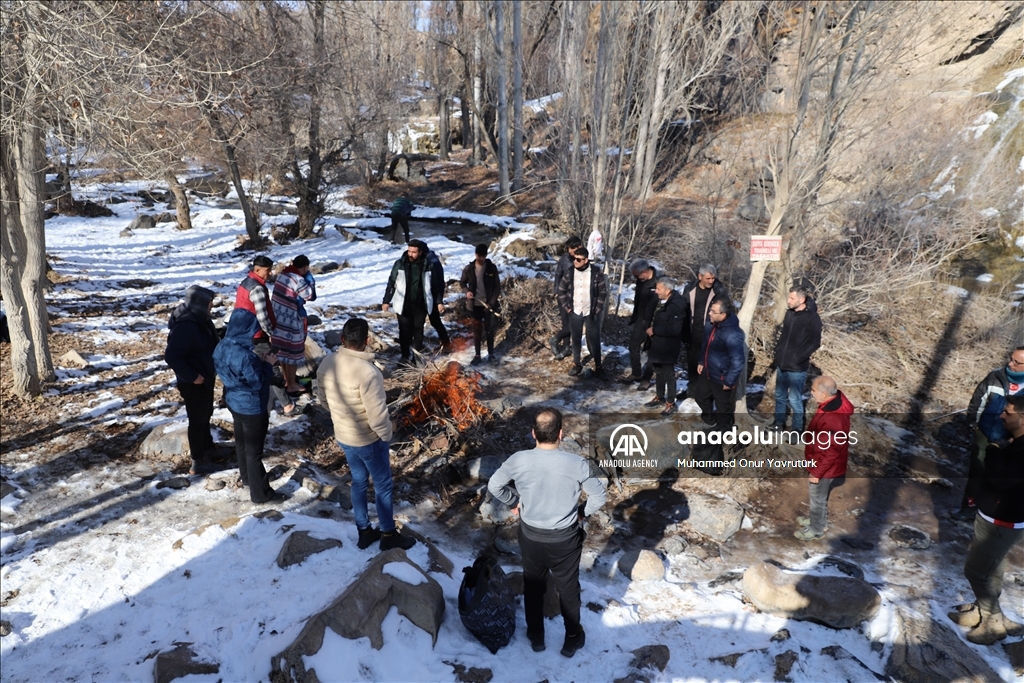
(544, 484)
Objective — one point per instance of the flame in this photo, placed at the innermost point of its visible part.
(448, 393)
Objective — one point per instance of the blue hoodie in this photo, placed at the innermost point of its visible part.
(246, 378)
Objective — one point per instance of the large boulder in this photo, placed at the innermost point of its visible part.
(642, 565)
(836, 601)
(926, 650)
(166, 440)
(717, 517)
(142, 222)
(359, 611)
(301, 545)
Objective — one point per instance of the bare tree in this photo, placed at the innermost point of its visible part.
(517, 96)
(500, 49)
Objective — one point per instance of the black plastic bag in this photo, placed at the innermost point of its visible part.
(487, 605)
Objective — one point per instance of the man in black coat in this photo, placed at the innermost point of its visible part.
(665, 334)
(416, 290)
(800, 337)
(698, 296)
(190, 344)
(564, 265)
(582, 294)
(482, 287)
(644, 301)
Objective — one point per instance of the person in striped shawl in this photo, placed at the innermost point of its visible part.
(294, 286)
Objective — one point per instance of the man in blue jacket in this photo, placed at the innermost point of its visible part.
(416, 290)
(720, 365)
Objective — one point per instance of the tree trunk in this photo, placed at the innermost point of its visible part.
(182, 210)
(499, 47)
(517, 96)
(310, 207)
(657, 115)
(467, 118)
(252, 225)
(477, 104)
(602, 109)
(442, 126)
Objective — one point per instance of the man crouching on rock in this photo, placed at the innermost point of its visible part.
(998, 526)
(546, 493)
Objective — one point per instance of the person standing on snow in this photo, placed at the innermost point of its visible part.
(482, 286)
(665, 334)
(293, 287)
(252, 295)
(416, 290)
(583, 293)
(401, 210)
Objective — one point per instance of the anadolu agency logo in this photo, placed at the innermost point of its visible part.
(628, 441)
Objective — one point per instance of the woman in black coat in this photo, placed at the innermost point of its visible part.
(190, 346)
(666, 332)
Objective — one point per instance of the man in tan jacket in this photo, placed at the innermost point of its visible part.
(352, 387)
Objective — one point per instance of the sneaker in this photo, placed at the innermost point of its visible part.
(394, 539)
(573, 643)
(576, 370)
(368, 537)
(803, 521)
(808, 535)
(536, 641)
(670, 408)
(477, 360)
(654, 402)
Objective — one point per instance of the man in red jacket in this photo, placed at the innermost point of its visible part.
(828, 451)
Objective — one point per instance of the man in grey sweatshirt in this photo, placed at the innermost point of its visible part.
(545, 490)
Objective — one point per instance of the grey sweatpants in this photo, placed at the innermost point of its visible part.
(986, 561)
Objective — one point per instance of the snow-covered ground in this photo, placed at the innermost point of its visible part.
(93, 591)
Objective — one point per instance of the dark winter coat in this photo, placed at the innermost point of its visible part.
(598, 290)
(667, 322)
(245, 376)
(492, 283)
(693, 322)
(192, 338)
(723, 352)
(800, 337)
(401, 208)
(564, 265)
(830, 454)
(645, 301)
(431, 283)
(1001, 494)
(988, 402)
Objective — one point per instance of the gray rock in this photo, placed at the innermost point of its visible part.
(165, 217)
(73, 359)
(725, 579)
(337, 494)
(481, 469)
(323, 267)
(359, 611)
(780, 636)
(166, 440)
(174, 483)
(471, 675)
(7, 489)
(5, 628)
(751, 208)
(642, 565)
(784, 665)
(500, 405)
(926, 651)
(493, 510)
(836, 601)
(142, 222)
(852, 669)
(507, 539)
(674, 545)
(909, 537)
(332, 337)
(1015, 651)
(651, 657)
(180, 662)
(215, 484)
(718, 518)
(731, 659)
(126, 233)
(301, 545)
(144, 471)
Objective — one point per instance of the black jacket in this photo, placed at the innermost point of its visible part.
(667, 322)
(598, 290)
(693, 325)
(1001, 494)
(431, 285)
(800, 337)
(564, 265)
(723, 352)
(492, 283)
(644, 301)
(192, 338)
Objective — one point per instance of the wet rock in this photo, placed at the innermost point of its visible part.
(269, 515)
(909, 537)
(1015, 651)
(180, 662)
(481, 469)
(142, 222)
(718, 518)
(73, 359)
(844, 566)
(359, 611)
(726, 578)
(471, 675)
(851, 668)
(174, 483)
(642, 565)
(5, 628)
(301, 545)
(784, 664)
(836, 601)
(927, 651)
(651, 657)
(166, 441)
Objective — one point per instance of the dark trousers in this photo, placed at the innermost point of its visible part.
(708, 393)
(250, 433)
(562, 559)
(637, 338)
(198, 400)
(692, 361)
(397, 221)
(665, 381)
(986, 561)
(483, 326)
(593, 326)
(438, 325)
(410, 331)
(563, 334)
(977, 469)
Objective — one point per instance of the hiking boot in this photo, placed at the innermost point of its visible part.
(1011, 627)
(203, 467)
(803, 521)
(808, 535)
(477, 360)
(553, 345)
(989, 631)
(573, 643)
(536, 641)
(966, 615)
(669, 408)
(576, 370)
(368, 537)
(654, 403)
(394, 539)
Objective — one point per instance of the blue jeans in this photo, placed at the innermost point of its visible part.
(789, 387)
(368, 462)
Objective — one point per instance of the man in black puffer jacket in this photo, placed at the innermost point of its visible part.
(189, 352)
(644, 302)
(720, 365)
(665, 334)
(800, 337)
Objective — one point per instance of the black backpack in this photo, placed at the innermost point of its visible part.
(486, 603)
